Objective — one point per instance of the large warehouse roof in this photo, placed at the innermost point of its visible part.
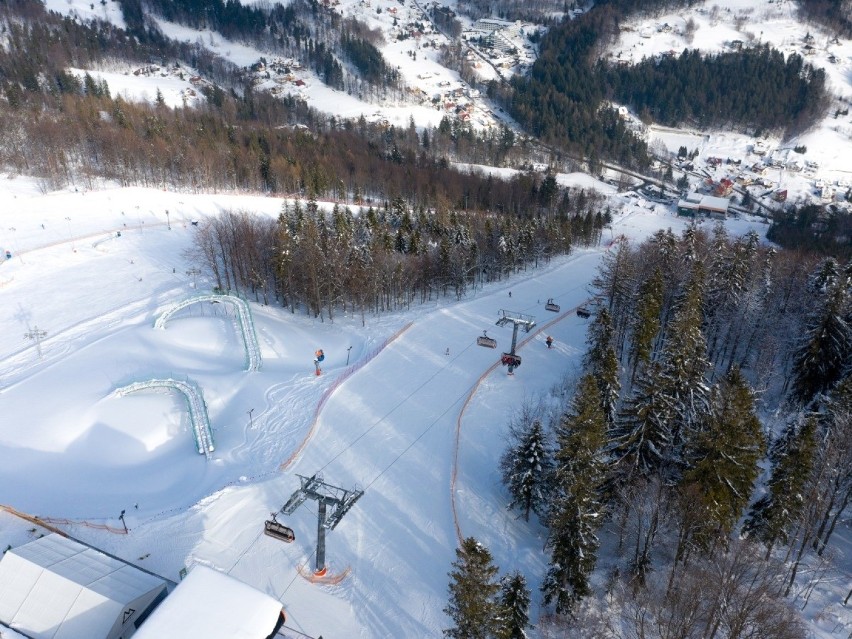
(57, 588)
(212, 605)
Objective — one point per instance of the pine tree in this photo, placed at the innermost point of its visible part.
(514, 607)
(473, 588)
(834, 456)
(684, 363)
(614, 284)
(724, 460)
(825, 351)
(601, 362)
(576, 509)
(526, 468)
(824, 277)
(640, 441)
(792, 456)
(646, 323)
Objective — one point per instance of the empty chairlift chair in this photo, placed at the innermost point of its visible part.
(484, 340)
(276, 529)
(551, 306)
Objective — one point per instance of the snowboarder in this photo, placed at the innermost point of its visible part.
(549, 341)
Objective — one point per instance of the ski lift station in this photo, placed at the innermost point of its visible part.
(58, 588)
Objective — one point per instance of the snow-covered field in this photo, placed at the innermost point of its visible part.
(71, 449)
(387, 422)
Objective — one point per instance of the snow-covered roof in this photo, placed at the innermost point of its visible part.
(212, 605)
(56, 587)
(697, 201)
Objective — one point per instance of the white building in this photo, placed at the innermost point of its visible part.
(212, 605)
(56, 588)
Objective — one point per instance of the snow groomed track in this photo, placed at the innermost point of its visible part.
(197, 408)
(244, 321)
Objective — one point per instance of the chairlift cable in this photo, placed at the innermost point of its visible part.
(243, 553)
(394, 408)
(298, 572)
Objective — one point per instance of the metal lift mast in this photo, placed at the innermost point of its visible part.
(517, 320)
(325, 495)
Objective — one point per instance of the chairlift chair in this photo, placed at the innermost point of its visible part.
(484, 340)
(584, 312)
(276, 529)
(551, 306)
(510, 359)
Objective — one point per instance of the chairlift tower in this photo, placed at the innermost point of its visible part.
(325, 495)
(37, 335)
(518, 320)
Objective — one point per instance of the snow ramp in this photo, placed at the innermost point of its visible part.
(245, 323)
(195, 401)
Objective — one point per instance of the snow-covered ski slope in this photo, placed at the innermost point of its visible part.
(70, 449)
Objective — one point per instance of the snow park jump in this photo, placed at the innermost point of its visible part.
(244, 322)
(195, 402)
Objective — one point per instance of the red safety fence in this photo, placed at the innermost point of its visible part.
(334, 386)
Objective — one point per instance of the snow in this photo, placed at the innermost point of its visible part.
(176, 91)
(717, 26)
(106, 10)
(54, 586)
(212, 605)
(420, 431)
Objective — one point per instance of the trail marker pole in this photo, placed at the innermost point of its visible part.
(193, 273)
(70, 235)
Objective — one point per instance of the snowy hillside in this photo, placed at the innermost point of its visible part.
(416, 419)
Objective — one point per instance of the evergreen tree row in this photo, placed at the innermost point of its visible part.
(380, 259)
(661, 448)
(755, 88)
(564, 101)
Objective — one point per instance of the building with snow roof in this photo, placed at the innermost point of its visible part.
(697, 204)
(210, 604)
(57, 588)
